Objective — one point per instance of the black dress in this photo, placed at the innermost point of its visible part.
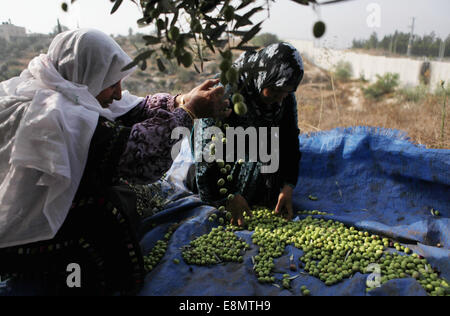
(100, 233)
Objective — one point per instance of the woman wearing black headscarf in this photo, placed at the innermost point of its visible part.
(268, 80)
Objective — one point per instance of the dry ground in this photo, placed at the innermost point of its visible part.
(322, 108)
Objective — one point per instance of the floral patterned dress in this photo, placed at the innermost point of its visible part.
(277, 65)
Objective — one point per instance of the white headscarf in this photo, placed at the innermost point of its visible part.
(47, 118)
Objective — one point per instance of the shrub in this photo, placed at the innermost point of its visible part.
(384, 85)
(413, 94)
(343, 71)
(265, 39)
(442, 90)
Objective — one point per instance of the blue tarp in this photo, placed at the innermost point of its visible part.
(373, 179)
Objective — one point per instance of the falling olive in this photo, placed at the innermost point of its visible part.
(174, 33)
(232, 75)
(237, 97)
(225, 65)
(240, 108)
(319, 29)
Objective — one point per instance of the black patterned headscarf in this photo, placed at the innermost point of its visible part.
(277, 65)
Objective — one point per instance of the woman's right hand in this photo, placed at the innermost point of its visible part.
(237, 207)
(206, 101)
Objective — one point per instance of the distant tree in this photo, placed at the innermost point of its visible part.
(427, 45)
(372, 43)
(265, 39)
(58, 28)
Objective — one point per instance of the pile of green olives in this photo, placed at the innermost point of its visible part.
(333, 251)
(220, 245)
(158, 251)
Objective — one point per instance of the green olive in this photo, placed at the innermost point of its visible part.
(228, 13)
(220, 163)
(232, 75)
(186, 59)
(174, 33)
(319, 29)
(223, 78)
(240, 108)
(225, 65)
(196, 26)
(331, 251)
(237, 97)
(160, 24)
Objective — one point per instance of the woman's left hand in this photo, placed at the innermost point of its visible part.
(284, 205)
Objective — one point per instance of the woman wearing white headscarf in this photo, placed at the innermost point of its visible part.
(65, 130)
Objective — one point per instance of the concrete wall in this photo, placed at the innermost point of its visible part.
(369, 66)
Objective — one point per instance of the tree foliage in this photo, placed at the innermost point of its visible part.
(265, 39)
(384, 85)
(397, 43)
(185, 29)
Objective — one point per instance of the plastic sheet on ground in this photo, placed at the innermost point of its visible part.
(373, 179)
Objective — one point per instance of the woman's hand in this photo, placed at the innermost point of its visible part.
(284, 205)
(207, 101)
(237, 207)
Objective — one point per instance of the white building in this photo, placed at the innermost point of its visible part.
(8, 30)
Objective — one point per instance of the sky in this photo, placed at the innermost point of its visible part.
(355, 19)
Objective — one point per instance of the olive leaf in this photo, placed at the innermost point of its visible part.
(141, 57)
(116, 6)
(150, 40)
(167, 7)
(174, 19)
(244, 3)
(252, 11)
(130, 65)
(208, 6)
(210, 20)
(144, 65)
(241, 21)
(250, 34)
(160, 64)
(196, 69)
(303, 2)
(207, 22)
(246, 47)
(216, 32)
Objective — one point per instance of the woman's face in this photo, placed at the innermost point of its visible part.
(107, 96)
(272, 95)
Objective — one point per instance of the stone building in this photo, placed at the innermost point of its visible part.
(8, 30)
